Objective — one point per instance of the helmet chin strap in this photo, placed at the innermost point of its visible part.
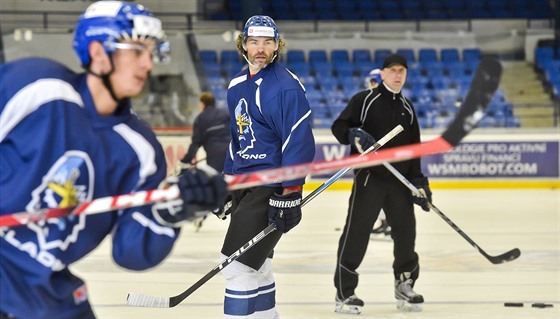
(106, 82)
(257, 67)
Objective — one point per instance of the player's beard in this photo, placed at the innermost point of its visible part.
(262, 65)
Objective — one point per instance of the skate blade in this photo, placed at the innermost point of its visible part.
(378, 237)
(403, 305)
(342, 308)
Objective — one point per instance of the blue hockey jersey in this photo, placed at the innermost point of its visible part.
(57, 151)
(270, 122)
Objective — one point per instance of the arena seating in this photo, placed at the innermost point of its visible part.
(393, 10)
(547, 63)
(437, 81)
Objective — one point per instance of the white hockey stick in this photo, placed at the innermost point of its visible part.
(505, 257)
(484, 85)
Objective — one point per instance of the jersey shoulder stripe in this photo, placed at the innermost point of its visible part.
(33, 96)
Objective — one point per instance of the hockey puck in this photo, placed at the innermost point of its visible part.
(541, 305)
(513, 304)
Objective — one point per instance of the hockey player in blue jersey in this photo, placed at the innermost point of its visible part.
(270, 127)
(67, 138)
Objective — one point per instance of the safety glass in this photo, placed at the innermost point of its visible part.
(160, 53)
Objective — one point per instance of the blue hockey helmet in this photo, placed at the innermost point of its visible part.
(260, 26)
(374, 75)
(111, 21)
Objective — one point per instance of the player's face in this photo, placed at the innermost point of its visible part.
(260, 50)
(394, 77)
(133, 63)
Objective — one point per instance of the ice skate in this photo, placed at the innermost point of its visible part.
(407, 299)
(352, 305)
(382, 232)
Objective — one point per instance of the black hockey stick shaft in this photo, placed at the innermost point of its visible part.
(149, 301)
(505, 257)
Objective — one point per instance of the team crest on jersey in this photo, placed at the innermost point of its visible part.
(244, 124)
(68, 182)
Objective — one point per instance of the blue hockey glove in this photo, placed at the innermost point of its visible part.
(202, 190)
(360, 139)
(224, 210)
(425, 200)
(285, 211)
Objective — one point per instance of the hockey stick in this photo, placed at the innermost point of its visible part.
(505, 257)
(484, 85)
(141, 300)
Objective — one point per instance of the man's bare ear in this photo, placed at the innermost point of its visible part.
(99, 57)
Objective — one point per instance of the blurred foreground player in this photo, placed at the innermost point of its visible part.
(67, 138)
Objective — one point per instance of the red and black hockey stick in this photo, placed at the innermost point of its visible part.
(484, 84)
(483, 87)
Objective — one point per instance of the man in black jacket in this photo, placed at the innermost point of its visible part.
(370, 115)
(211, 131)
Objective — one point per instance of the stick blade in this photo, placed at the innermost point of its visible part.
(141, 300)
(484, 84)
(506, 257)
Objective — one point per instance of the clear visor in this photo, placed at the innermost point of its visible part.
(160, 51)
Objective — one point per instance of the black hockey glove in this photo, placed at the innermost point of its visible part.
(202, 190)
(425, 200)
(361, 139)
(285, 211)
(224, 210)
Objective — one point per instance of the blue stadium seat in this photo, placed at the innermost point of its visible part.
(380, 55)
(317, 56)
(542, 56)
(366, 6)
(427, 55)
(325, 8)
(301, 6)
(339, 56)
(408, 54)
(343, 69)
(471, 54)
(229, 56)
(322, 68)
(361, 55)
(299, 68)
(449, 55)
(295, 56)
(208, 56)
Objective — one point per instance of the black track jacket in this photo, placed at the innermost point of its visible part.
(377, 111)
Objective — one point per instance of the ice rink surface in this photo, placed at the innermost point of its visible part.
(455, 279)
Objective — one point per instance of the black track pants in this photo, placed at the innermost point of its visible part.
(369, 194)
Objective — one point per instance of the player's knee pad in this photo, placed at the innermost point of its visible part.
(240, 276)
(265, 273)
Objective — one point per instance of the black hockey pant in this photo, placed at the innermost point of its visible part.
(250, 217)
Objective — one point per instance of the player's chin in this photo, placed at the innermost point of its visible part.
(134, 90)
